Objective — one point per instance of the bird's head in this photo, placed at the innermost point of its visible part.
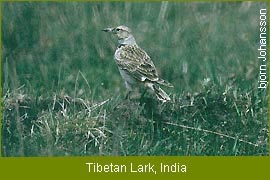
(123, 34)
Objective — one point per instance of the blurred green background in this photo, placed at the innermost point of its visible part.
(58, 48)
(45, 45)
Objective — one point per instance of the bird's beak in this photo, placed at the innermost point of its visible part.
(108, 29)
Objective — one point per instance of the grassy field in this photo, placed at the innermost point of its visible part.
(63, 95)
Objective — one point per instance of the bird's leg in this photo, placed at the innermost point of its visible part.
(143, 93)
(127, 97)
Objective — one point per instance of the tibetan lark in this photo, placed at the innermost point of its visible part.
(135, 66)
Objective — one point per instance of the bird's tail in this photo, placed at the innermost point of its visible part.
(160, 93)
(165, 83)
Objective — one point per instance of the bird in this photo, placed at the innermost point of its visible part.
(135, 65)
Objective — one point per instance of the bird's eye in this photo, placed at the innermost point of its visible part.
(117, 29)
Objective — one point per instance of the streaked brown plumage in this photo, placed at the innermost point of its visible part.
(135, 66)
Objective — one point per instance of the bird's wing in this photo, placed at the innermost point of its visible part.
(137, 63)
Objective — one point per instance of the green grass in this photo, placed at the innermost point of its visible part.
(63, 94)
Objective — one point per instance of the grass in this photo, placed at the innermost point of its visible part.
(63, 95)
